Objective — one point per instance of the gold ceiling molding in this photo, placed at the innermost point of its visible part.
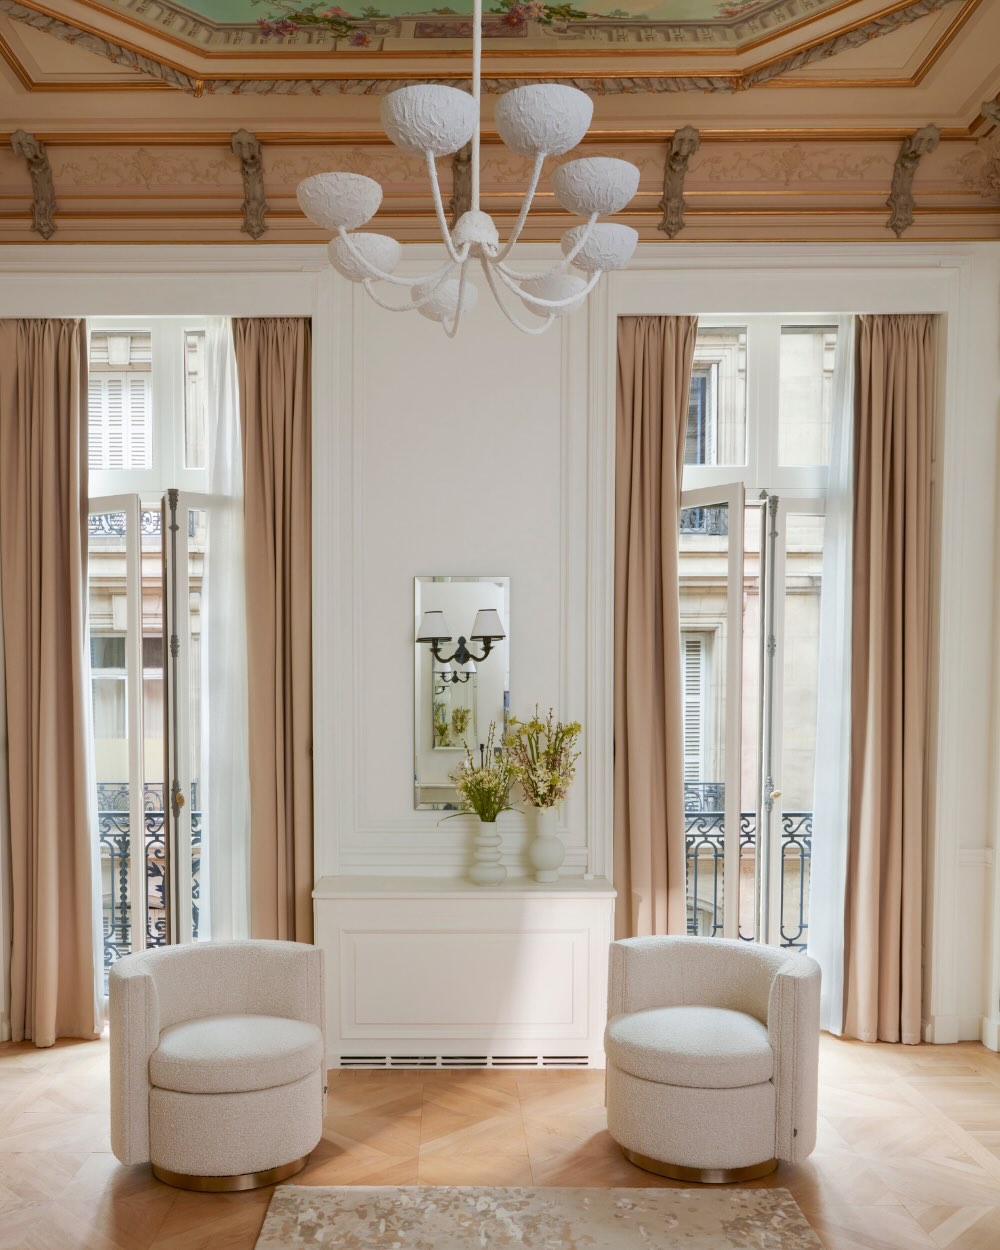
(340, 81)
(378, 139)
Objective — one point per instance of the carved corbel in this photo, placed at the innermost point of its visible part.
(247, 147)
(461, 182)
(43, 194)
(991, 111)
(900, 199)
(682, 147)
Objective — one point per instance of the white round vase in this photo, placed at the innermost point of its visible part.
(545, 851)
(486, 867)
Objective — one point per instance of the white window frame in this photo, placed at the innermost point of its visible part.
(168, 400)
(763, 390)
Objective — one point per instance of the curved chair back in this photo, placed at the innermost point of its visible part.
(650, 972)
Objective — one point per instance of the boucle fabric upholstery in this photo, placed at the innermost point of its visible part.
(229, 1134)
(701, 1047)
(698, 1128)
(152, 991)
(232, 1054)
(776, 994)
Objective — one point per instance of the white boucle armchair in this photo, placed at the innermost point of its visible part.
(712, 1051)
(218, 1069)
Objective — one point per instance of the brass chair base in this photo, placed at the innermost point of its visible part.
(230, 1184)
(701, 1176)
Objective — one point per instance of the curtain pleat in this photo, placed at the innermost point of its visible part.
(894, 436)
(273, 356)
(655, 356)
(43, 537)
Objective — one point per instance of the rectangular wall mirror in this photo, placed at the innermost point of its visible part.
(461, 677)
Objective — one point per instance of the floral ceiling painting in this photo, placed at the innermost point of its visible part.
(309, 25)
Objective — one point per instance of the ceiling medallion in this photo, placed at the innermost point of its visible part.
(540, 120)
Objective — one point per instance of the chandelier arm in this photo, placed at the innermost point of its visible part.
(417, 303)
(432, 174)
(452, 329)
(595, 277)
(519, 325)
(375, 273)
(562, 266)
(522, 216)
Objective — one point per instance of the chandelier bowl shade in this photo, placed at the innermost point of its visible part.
(544, 118)
(429, 117)
(378, 250)
(595, 184)
(608, 245)
(339, 201)
(554, 286)
(443, 303)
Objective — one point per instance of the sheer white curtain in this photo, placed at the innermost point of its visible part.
(224, 762)
(828, 877)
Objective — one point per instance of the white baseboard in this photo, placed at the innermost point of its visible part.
(989, 1032)
(946, 1030)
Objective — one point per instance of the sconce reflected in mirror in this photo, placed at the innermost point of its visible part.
(460, 685)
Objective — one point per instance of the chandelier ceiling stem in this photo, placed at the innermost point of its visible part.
(477, 57)
(536, 121)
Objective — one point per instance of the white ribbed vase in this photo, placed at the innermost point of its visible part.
(545, 851)
(486, 867)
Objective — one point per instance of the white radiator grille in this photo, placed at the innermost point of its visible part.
(463, 1061)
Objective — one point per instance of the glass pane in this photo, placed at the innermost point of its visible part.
(153, 711)
(704, 554)
(107, 572)
(803, 581)
(753, 607)
(197, 529)
(120, 401)
(195, 421)
(806, 394)
(717, 408)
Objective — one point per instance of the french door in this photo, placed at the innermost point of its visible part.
(145, 612)
(750, 584)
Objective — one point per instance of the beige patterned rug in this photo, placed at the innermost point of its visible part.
(424, 1218)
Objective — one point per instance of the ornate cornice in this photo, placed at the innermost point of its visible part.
(340, 80)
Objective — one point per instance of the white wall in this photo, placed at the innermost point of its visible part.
(530, 424)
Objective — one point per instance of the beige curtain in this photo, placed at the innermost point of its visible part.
(894, 436)
(654, 376)
(43, 536)
(275, 379)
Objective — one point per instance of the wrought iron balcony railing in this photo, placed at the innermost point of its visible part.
(704, 836)
(114, 834)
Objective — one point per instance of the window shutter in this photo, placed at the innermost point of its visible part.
(119, 416)
(693, 684)
(139, 421)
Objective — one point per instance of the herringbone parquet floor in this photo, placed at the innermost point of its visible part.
(908, 1156)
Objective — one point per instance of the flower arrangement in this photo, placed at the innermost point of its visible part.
(542, 758)
(460, 717)
(484, 788)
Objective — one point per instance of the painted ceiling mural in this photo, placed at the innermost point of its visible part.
(308, 25)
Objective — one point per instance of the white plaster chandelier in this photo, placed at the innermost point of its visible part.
(540, 120)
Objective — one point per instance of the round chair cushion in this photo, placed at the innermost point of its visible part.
(697, 1047)
(235, 1054)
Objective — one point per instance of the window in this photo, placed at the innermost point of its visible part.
(757, 447)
